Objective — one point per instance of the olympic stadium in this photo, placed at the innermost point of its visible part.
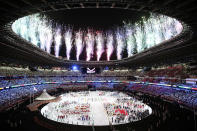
(114, 65)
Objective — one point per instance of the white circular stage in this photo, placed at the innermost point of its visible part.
(98, 108)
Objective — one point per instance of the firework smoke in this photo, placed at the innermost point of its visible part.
(99, 45)
(110, 46)
(89, 39)
(78, 43)
(68, 41)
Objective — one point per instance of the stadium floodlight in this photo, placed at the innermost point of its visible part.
(75, 68)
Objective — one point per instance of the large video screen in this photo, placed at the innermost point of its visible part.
(90, 70)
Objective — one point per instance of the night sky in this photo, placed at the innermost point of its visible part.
(95, 18)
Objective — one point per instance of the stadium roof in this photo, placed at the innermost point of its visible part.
(182, 48)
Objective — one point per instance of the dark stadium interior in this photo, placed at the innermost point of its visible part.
(163, 76)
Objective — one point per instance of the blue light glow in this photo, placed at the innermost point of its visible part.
(75, 68)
